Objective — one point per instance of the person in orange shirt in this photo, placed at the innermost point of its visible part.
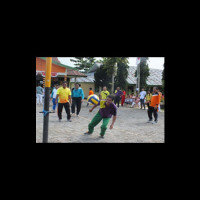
(153, 106)
(90, 93)
(160, 93)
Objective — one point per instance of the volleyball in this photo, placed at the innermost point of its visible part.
(93, 99)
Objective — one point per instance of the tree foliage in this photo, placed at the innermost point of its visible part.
(83, 63)
(122, 74)
(102, 78)
(144, 72)
(109, 63)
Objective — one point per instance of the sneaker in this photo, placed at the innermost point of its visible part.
(154, 122)
(149, 121)
(101, 136)
(87, 133)
(59, 120)
(73, 114)
(77, 115)
(69, 120)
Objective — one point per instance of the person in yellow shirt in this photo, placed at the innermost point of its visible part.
(64, 95)
(148, 98)
(103, 95)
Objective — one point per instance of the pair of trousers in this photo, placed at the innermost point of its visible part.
(142, 103)
(151, 111)
(39, 98)
(117, 100)
(54, 104)
(67, 109)
(76, 102)
(148, 105)
(95, 121)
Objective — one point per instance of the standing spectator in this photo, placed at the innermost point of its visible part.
(64, 95)
(54, 93)
(142, 97)
(160, 93)
(90, 93)
(118, 95)
(77, 99)
(153, 108)
(39, 93)
(103, 95)
(148, 98)
(54, 86)
(123, 97)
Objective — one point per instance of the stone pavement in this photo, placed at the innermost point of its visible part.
(130, 127)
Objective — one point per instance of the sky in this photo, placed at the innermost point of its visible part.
(154, 62)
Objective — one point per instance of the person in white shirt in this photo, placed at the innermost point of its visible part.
(54, 97)
(142, 97)
(39, 94)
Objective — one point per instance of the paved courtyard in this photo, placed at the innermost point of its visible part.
(130, 127)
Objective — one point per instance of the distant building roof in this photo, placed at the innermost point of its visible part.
(155, 77)
(94, 67)
(88, 79)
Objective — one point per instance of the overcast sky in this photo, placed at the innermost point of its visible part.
(154, 62)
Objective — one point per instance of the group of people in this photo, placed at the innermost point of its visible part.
(62, 96)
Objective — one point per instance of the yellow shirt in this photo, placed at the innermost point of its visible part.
(104, 95)
(148, 97)
(63, 94)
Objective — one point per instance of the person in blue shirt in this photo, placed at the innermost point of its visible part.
(77, 99)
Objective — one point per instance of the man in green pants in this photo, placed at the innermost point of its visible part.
(105, 112)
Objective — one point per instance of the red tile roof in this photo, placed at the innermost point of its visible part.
(71, 72)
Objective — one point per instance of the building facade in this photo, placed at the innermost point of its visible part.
(59, 72)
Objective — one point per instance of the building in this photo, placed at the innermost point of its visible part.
(155, 79)
(59, 72)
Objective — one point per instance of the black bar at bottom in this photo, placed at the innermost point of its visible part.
(46, 118)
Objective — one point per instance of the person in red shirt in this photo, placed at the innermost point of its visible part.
(123, 97)
(153, 106)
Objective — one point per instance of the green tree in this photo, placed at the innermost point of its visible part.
(122, 74)
(83, 63)
(110, 65)
(102, 78)
(144, 72)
